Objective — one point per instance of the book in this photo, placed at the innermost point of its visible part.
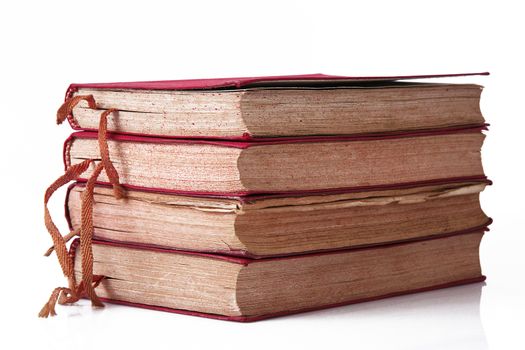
(241, 289)
(285, 165)
(261, 107)
(263, 226)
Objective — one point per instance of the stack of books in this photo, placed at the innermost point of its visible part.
(248, 198)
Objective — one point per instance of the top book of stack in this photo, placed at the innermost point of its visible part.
(282, 106)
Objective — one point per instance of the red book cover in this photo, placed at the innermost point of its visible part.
(294, 80)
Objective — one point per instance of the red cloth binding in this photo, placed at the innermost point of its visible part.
(218, 83)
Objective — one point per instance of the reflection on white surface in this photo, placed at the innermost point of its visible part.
(442, 319)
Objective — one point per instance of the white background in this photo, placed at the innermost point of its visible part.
(47, 45)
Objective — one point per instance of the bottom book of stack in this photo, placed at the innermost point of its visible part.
(244, 289)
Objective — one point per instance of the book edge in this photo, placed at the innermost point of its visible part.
(247, 319)
(246, 260)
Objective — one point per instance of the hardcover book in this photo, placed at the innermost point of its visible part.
(241, 289)
(284, 165)
(263, 226)
(261, 107)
